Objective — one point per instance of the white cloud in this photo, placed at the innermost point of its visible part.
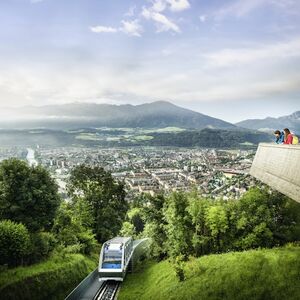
(241, 8)
(172, 5)
(158, 77)
(131, 28)
(154, 13)
(241, 56)
(105, 29)
(178, 5)
(203, 18)
(130, 12)
(161, 21)
(159, 5)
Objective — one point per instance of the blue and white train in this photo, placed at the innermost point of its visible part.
(114, 258)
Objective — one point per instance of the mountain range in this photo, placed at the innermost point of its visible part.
(157, 114)
(270, 124)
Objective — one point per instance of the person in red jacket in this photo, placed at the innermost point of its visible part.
(288, 137)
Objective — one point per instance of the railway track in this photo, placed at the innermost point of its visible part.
(107, 291)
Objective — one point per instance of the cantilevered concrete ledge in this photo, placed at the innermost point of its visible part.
(279, 167)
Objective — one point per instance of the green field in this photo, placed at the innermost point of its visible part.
(250, 275)
(127, 134)
(89, 137)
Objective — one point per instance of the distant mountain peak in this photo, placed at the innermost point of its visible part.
(291, 121)
(295, 115)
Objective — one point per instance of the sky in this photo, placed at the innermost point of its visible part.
(230, 59)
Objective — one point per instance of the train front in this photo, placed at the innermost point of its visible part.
(111, 262)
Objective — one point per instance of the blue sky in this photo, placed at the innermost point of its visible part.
(232, 59)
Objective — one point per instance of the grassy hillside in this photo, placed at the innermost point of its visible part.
(52, 279)
(256, 274)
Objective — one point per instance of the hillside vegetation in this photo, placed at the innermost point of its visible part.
(255, 274)
(164, 136)
(47, 244)
(52, 279)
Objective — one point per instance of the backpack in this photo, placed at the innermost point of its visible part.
(295, 140)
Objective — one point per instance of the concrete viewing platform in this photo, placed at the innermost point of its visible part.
(279, 167)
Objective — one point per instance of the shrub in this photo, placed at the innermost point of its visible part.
(14, 243)
(179, 267)
(43, 244)
(87, 241)
(68, 236)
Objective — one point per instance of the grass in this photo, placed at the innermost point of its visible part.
(51, 279)
(256, 274)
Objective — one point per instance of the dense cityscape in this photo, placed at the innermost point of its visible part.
(214, 173)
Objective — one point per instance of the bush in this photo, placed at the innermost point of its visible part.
(87, 241)
(67, 236)
(43, 244)
(178, 267)
(14, 243)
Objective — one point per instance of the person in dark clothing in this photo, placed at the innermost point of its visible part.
(279, 137)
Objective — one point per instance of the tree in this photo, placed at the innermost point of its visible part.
(103, 195)
(155, 226)
(135, 216)
(70, 231)
(128, 229)
(134, 223)
(27, 195)
(201, 238)
(216, 221)
(255, 220)
(286, 216)
(179, 226)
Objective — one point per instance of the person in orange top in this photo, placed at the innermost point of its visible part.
(288, 137)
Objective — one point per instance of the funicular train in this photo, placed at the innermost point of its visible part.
(114, 258)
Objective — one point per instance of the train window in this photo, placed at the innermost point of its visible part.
(112, 256)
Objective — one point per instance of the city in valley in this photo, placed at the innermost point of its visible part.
(222, 174)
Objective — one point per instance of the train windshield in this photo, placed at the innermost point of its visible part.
(112, 256)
